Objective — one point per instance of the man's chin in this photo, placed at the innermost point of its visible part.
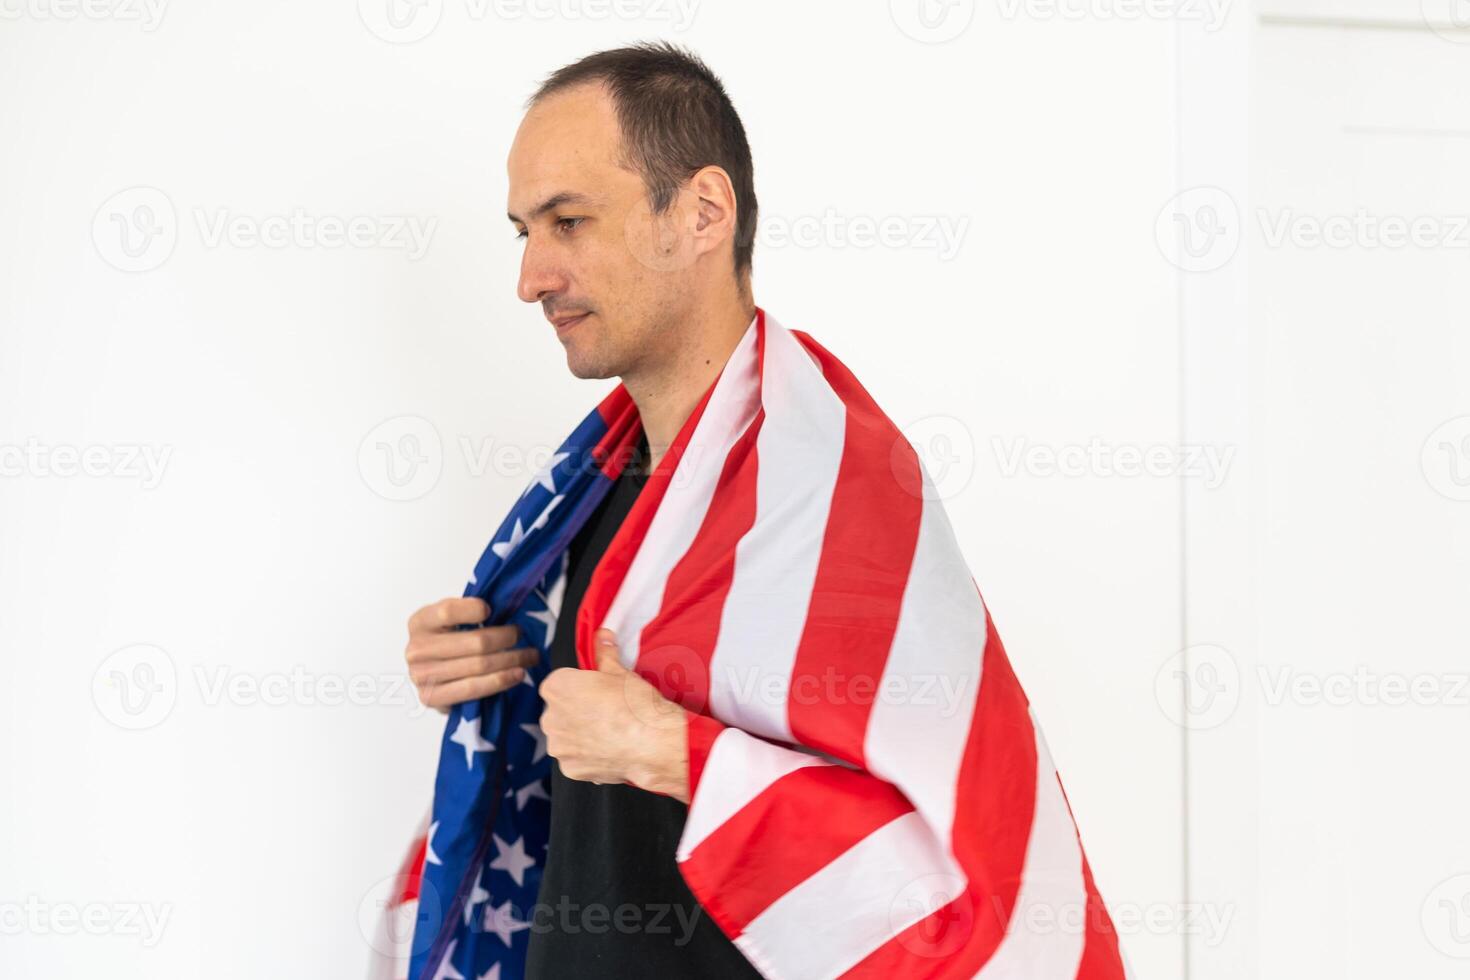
(580, 368)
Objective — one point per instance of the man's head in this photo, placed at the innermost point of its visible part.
(631, 183)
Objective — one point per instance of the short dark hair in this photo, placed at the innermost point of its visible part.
(675, 119)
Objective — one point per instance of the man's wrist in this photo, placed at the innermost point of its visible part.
(665, 770)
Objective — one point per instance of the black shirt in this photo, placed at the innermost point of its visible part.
(612, 902)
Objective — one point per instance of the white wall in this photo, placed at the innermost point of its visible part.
(1362, 384)
(1048, 145)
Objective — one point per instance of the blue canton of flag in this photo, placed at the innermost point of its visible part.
(490, 821)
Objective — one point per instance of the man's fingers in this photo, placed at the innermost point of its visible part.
(605, 652)
(428, 647)
(444, 671)
(470, 688)
(449, 613)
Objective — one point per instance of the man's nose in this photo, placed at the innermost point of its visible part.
(541, 275)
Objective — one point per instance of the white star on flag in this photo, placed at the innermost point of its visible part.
(429, 856)
(504, 548)
(502, 921)
(540, 520)
(467, 733)
(477, 895)
(533, 790)
(535, 732)
(544, 476)
(546, 618)
(491, 974)
(512, 858)
(447, 970)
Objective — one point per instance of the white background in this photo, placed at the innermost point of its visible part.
(1044, 291)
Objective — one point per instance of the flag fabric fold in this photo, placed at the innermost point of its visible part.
(870, 793)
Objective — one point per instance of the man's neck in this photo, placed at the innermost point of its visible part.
(666, 397)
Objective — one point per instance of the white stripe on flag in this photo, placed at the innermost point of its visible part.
(739, 768)
(1048, 928)
(855, 904)
(799, 450)
(931, 679)
(728, 413)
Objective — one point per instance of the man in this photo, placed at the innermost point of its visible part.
(781, 759)
(639, 252)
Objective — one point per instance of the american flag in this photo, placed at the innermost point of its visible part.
(870, 793)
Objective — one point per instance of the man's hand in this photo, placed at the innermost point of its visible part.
(611, 726)
(450, 666)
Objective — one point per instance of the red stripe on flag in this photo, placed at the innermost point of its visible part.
(608, 576)
(1101, 957)
(993, 812)
(694, 594)
(410, 876)
(867, 551)
(846, 804)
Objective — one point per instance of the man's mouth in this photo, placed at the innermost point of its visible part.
(565, 323)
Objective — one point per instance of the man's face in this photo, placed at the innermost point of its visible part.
(606, 271)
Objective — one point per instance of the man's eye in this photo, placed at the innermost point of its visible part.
(567, 224)
(521, 233)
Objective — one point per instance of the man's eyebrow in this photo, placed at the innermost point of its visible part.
(554, 201)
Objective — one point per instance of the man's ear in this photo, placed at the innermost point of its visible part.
(714, 217)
